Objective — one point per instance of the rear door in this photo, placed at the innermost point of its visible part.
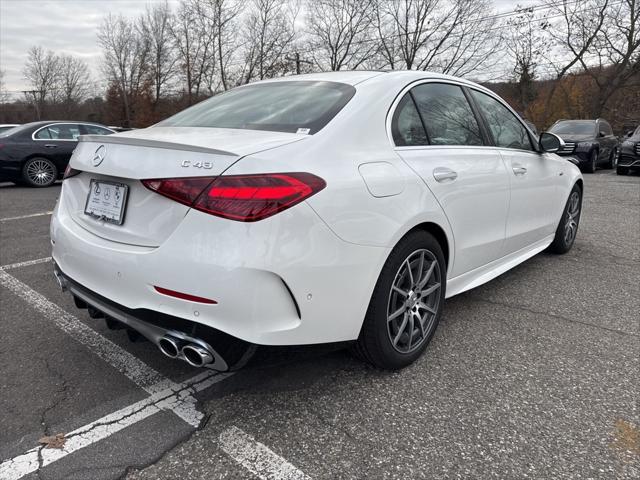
(533, 177)
(58, 140)
(438, 135)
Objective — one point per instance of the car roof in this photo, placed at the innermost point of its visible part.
(354, 77)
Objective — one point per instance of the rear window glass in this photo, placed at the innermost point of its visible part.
(296, 107)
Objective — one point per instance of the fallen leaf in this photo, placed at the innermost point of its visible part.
(53, 441)
(627, 437)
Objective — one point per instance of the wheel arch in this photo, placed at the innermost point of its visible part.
(439, 234)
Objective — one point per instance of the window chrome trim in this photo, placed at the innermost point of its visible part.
(462, 84)
(534, 142)
(33, 135)
(407, 88)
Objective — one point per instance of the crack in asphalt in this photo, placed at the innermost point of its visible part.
(552, 315)
(62, 394)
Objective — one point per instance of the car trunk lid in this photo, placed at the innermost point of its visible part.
(158, 152)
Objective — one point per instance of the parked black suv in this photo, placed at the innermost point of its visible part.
(629, 154)
(590, 142)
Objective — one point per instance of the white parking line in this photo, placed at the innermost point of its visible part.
(41, 214)
(257, 457)
(163, 399)
(28, 263)
(132, 367)
(164, 395)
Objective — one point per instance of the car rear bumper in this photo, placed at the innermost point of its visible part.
(286, 280)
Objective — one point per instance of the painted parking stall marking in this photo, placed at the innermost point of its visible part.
(28, 263)
(257, 457)
(21, 217)
(164, 394)
(164, 399)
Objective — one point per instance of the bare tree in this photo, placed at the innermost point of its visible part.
(341, 33)
(4, 95)
(405, 28)
(450, 36)
(269, 31)
(41, 71)
(524, 44)
(577, 30)
(73, 82)
(155, 26)
(125, 58)
(194, 44)
(221, 18)
(617, 50)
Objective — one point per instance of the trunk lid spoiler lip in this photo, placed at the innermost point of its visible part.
(144, 142)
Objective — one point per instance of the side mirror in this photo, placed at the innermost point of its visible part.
(550, 142)
(602, 134)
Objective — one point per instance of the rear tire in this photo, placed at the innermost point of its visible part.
(39, 172)
(406, 304)
(568, 226)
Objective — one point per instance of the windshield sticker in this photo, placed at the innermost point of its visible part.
(304, 131)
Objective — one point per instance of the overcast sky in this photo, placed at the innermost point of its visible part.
(70, 26)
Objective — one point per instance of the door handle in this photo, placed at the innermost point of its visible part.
(50, 145)
(519, 170)
(443, 174)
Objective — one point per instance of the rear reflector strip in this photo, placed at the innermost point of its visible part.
(184, 296)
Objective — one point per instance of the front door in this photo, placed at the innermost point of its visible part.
(533, 177)
(437, 135)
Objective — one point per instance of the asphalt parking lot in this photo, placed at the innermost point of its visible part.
(533, 375)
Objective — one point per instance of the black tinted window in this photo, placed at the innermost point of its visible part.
(606, 128)
(447, 115)
(62, 131)
(297, 107)
(574, 127)
(507, 130)
(96, 130)
(406, 126)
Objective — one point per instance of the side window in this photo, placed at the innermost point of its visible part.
(43, 134)
(69, 131)
(61, 131)
(507, 130)
(447, 115)
(606, 128)
(96, 130)
(406, 126)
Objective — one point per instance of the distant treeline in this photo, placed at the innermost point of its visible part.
(557, 59)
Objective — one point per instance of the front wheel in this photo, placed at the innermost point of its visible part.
(613, 159)
(592, 163)
(406, 304)
(39, 172)
(568, 226)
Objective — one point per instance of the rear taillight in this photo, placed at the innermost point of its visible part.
(244, 198)
(70, 172)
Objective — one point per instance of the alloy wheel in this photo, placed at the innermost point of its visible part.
(572, 217)
(41, 172)
(413, 301)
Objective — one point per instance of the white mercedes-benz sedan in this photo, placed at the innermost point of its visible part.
(318, 208)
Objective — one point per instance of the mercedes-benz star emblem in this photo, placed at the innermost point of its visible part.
(98, 157)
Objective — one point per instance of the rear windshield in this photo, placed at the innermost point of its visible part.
(296, 107)
(574, 128)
